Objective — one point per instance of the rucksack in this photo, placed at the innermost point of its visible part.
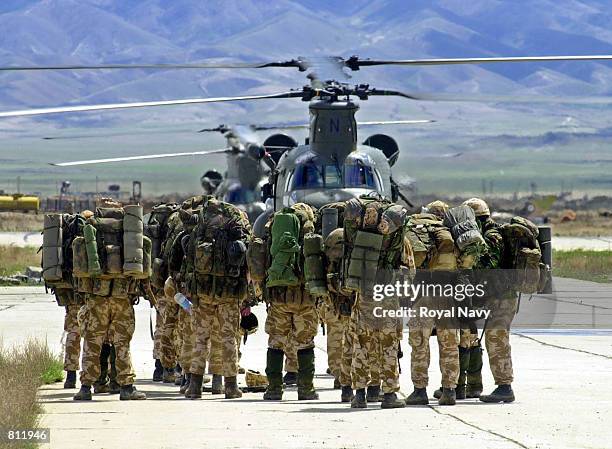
(284, 269)
(432, 243)
(522, 254)
(218, 247)
(156, 227)
(59, 232)
(373, 241)
(464, 229)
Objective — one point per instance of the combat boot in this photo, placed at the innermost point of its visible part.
(70, 380)
(194, 391)
(179, 380)
(130, 393)
(158, 373)
(373, 393)
(306, 370)
(474, 374)
(84, 394)
(390, 400)
(217, 384)
(185, 386)
(100, 388)
(347, 394)
(337, 385)
(231, 388)
(449, 397)
(274, 373)
(418, 397)
(503, 393)
(359, 400)
(168, 376)
(438, 393)
(290, 378)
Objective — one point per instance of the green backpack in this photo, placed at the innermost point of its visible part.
(285, 250)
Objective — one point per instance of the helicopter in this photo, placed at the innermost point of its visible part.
(331, 165)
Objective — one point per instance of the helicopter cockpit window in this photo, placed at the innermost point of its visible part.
(358, 175)
(333, 176)
(307, 176)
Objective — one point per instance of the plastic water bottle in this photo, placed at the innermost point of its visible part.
(183, 301)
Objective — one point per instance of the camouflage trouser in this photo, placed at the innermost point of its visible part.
(497, 342)
(291, 363)
(215, 361)
(384, 343)
(228, 317)
(334, 330)
(187, 337)
(497, 339)
(72, 352)
(295, 322)
(159, 319)
(346, 360)
(168, 332)
(448, 342)
(101, 318)
(467, 339)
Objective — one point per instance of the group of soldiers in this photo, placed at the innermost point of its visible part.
(203, 315)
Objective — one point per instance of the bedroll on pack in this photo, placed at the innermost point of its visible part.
(285, 250)
(133, 241)
(374, 239)
(462, 223)
(522, 254)
(93, 258)
(52, 257)
(314, 266)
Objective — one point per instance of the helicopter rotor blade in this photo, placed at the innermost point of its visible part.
(142, 104)
(138, 158)
(355, 63)
(198, 65)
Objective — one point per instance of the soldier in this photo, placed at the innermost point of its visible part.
(215, 259)
(420, 330)
(291, 309)
(497, 330)
(107, 382)
(376, 335)
(72, 302)
(109, 312)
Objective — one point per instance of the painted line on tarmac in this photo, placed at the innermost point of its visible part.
(563, 347)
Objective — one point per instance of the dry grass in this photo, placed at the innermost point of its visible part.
(585, 265)
(23, 370)
(14, 259)
(587, 224)
(20, 222)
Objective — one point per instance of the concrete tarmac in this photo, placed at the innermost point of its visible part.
(562, 383)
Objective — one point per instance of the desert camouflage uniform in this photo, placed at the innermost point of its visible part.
(215, 361)
(497, 331)
(102, 317)
(334, 333)
(72, 351)
(291, 363)
(169, 331)
(204, 316)
(420, 329)
(292, 319)
(378, 338)
(187, 340)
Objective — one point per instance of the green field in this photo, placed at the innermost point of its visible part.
(593, 266)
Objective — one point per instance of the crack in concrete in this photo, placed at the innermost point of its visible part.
(563, 347)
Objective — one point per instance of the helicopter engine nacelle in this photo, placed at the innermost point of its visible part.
(386, 144)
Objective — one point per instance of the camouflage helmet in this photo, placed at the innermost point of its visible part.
(255, 379)
(334, 244)
(87, 214)
(437, 208)
(481, 209)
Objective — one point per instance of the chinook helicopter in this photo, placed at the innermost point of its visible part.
(331, 165)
